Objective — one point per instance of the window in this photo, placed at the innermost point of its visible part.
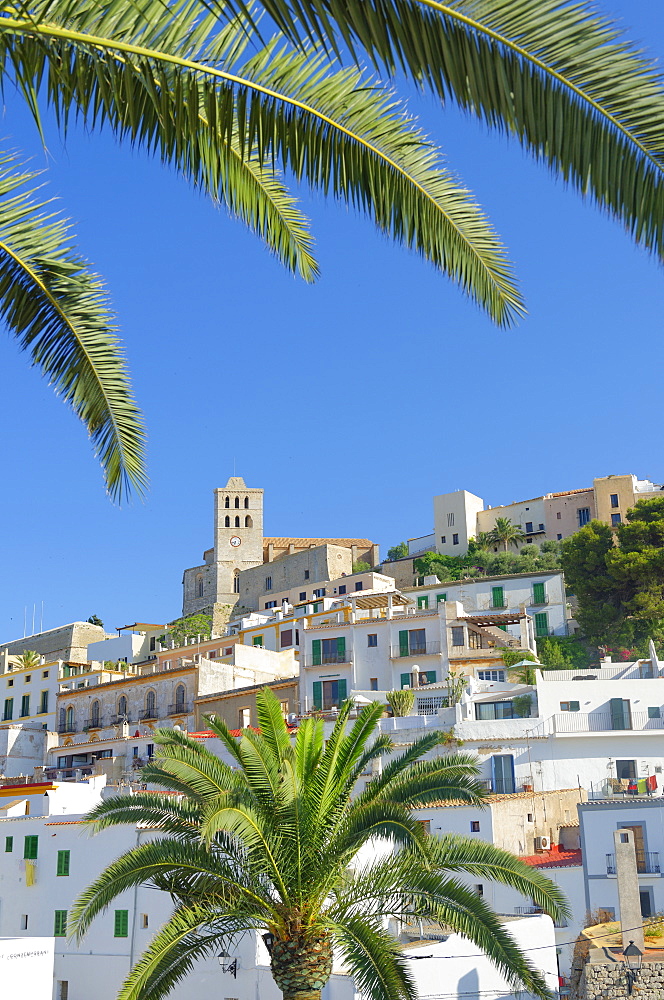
(121, 923)
(246, 503)
(426, 677)
(621, 716)
(487, 710)
(457, 635)
(614, 500)
(28, 678)
(329, 694)
(303, 595)
(25, 705)
(237, 501)
(257, 640)
(359, 585)
(539, 593)
(10, 684)
(306, 574)
(63, 989)
(412, 642)
(44, 674)
(441, 598)
(570, 706)
(227, 521)
(497, 597)
(285, 709)
(199, 593)
(423, 602)
(69, 719)
(122, 706)
(24, 921)
(443, 540)
(529, 818)
(9, 845)
(248, 523)
(151, 705)
(491, 675)
(236, 582)
(455, 539)
(342, 588)
(541, 527)
(372, 639)
(244, 718)
(60, 924)
(450, 520)
(63, 863)
(227, 502)
(474, 826)
(8, 713)
(615, 520)
(558, 537)
(320, 592)
(94, 713)
(373, 683)
(328, 651)
(529, 527)
(270, 604)
(268, 583)
(144, 921)
(479, 889)
(654, 712)
(626, 769)
(287, 638)
(30, 847)
(542, 623)
(179, 697)
(502, 774)
(149, 749)
(529, 541)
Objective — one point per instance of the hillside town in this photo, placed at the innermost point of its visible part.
(569, 752)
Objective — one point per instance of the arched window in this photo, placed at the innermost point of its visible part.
(122, 706)
(199, 586)
(236, 582)
(69, 720)
(248, 523)
(227, 521)
(62, 719)
(237, 522)
(179, 698)
(237, 501)
(151, 705)
(246, 502)
(227, 502)
(95, 713)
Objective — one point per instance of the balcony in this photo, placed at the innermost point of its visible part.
(647, 863)
(179, 708)
(117, 720)
(95, 723)
(498, 605)
(415, 649)
(602, 722)
(309, 660)
(69, 727)
(148, 713)
(539, 603)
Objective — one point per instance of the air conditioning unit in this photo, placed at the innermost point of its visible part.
(542, 843)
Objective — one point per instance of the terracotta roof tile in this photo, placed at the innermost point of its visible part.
(554, 859)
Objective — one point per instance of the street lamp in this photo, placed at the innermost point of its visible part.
(228, 964)
(633, 957)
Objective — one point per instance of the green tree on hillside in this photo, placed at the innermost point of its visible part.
(505, 533)
(399, 551)
(272, 845)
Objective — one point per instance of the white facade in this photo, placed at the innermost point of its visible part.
(454, 520)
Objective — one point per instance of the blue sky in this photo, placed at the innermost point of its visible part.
(352, 402)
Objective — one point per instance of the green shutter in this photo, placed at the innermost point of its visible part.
(341, 650)
(343, 692)
(406, 681)
(539, 597)
(620, 715)
(430, 676)
(574, 706)
(503, 628)
(318, 690)
(542, 623)
(121, 923)
(315, 653)
(497, 598)
(25, 705)
(60, 924)
(9, 844)
(316, 608)
(30, 848)
(441, 598)
(63, 863)
(257, 640)
(403, 643)
(9, 710)
(423, 602)
(43, 705)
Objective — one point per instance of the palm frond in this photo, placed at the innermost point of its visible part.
(337, 130)
(562, 79)
(378, 965)
(58, 312)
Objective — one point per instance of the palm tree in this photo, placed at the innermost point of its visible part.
(198, 84)
(28, 659)
(271, 845)
(506, 533)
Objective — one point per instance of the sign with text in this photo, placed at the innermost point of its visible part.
(26, 967)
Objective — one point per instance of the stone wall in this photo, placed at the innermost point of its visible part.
(604, 981)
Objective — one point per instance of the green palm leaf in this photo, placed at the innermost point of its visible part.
(59, 313)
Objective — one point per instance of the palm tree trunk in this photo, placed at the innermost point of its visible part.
(302, 966)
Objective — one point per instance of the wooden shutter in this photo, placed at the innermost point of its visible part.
(318, 691)
(406, 680)
(257, 640)
(30, 848)
(441, 598)
(315, 653)
(620, 714)
(403, 643)
(574, 706)
(542, 623)
(9, 844)
(430, 676)
(343, 691)
(539, 597)
(497, 599)
(60, 924)
(121, 923)
(9, 709)
(423, 602)
(63, 863)
(341, 651)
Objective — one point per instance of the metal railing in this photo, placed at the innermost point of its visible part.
(647, 863)
(149, 713)
(117, 720)
(325, 659)
(179, 708)
(69, 727)
(538, 604)
(415, 649)
(601, 722)
(94, 723)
